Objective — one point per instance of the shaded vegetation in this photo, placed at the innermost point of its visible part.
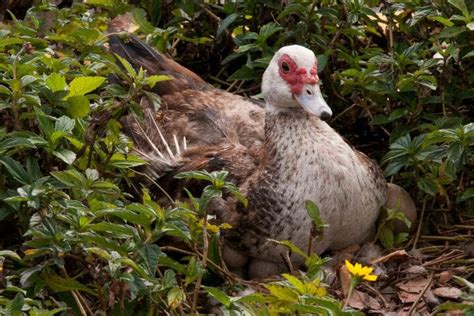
(77, 231)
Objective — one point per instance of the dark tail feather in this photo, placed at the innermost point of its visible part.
(140, 54)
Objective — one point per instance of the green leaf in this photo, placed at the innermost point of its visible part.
(120, 161)
(60, 284)
(244, 73)
(219, 296)
(105, 3)
(150, 255)
(139, 16)
(467, 194)
(313, 212)
(226, 23)
(460, 5)
(65, 155)
(452, 31)
(16, 170)
(64, 124)
(79, 106)
(427, 185)
(71, 178)
(386, 237)
(282, 293)
(175, 297)
(442, 20)
(322, 62)
(11, 254)
(151, 81)
(80, 86)
(120, 231)
(15, 308)
(56, 82)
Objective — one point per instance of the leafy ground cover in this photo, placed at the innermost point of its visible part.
(79, 234)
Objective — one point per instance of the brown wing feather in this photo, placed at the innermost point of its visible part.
(222, 130)
(140, 54)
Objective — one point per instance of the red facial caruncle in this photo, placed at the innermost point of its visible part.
(296, 77)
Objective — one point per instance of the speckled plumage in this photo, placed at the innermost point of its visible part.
(305, 159)
(280, 157)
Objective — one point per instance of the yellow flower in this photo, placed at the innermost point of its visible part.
(360, 271)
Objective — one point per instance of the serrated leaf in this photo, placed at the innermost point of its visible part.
(56, 82)
(282, 293)
(140, 17)
(80, 86)
(79, 106)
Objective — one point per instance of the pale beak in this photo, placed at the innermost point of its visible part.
(313, 102)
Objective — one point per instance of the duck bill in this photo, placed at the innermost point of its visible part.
(313, 102)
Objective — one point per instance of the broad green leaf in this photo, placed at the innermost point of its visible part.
(219, 295)
(153, 80)
(150, 255)
(120, 231)
(386, 237)
(120, 161)
(80, 86)
(60, 284)
(16, 170)
(64, 124)
(282, 293)
(71, 178)
(79, 106)
(65, 155)
(56, 82)
(452, 31)
(460, 5)
(427, 185)
(140, 16)
(442, 20)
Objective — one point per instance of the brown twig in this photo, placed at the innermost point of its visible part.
(420, 223)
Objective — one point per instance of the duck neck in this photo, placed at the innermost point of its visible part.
(288, 134)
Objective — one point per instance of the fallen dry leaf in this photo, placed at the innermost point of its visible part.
(444, 277)
(361, 301)
(410, 290)
(345, 278)
(448, 292)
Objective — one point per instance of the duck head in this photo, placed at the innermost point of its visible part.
(291, 81)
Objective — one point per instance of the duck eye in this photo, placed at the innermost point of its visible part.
(285, 67)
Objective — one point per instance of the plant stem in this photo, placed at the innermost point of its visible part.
(205, 252)
(349, 294)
